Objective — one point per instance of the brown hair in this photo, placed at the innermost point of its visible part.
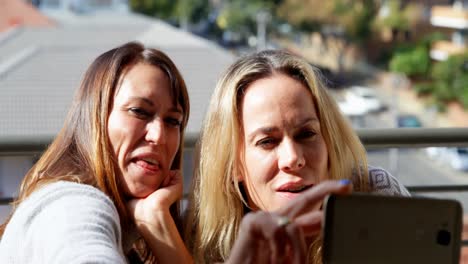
(81, 152)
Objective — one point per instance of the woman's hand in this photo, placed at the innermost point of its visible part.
(268, 238)
(306, 210)
(279, 237)
(143, 209)
(156, 224)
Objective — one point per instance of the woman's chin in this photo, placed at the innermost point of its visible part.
(142, 192)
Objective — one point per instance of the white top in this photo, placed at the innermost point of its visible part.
(382, 182)
(64, 222)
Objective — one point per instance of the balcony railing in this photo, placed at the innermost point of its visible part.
(371, 138)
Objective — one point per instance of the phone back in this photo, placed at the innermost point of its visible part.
(362, 228)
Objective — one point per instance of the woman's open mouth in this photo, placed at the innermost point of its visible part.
(148, 164)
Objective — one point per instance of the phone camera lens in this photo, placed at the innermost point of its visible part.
(443, 237)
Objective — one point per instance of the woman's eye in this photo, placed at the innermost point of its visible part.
(139, 112)
(266, 143)
(307, 134)
(174, 122)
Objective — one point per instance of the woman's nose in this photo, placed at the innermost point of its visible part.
(155, 132)
(291, 156)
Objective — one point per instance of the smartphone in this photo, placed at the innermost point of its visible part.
(365, 228)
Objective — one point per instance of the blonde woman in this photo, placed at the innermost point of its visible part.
(272, 140)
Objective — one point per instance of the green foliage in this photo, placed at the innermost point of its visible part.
(395, 18)
(443, 92)
(192, 10)
(464, 98)
(423, 88)
(412, 62)
(176, 10)
(353, 16)
(428, 39)
(358, 24)
(163, 9)
(240, 15)
(443, 71)
(451, 79)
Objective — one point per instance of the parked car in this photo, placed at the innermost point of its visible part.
(364, 98)
(458, 158)
(455, 157)
(351, 108)
(435, 153)
(408, 120)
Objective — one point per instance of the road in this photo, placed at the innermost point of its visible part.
(414, 167)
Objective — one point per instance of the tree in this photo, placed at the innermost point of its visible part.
(191, 11)
(354, 17)
(298, 13)
(239, 15)
(347, 23)
(163, 9)
(451, 79)
(180, 11)
(412, 62)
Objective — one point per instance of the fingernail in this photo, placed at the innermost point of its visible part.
(344, 181)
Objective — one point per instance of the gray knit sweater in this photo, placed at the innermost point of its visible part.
(63, 222)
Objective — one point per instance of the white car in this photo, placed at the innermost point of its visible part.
(363, 98)
(351, 108)
(458, 158)
(455, 157)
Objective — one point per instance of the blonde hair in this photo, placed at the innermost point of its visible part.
(216, 203)
(81, 152)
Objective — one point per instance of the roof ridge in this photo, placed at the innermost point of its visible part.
(17, 59)
(8, 34)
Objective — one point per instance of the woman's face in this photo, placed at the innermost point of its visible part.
(144, 129)
(284, 151)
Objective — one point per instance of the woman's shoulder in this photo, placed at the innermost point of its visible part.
(64, 213)
(70, 199)
(383, 182)
(67, 188)
(65, 193)
(67, 201)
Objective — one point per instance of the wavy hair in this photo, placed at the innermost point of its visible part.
(217, 204)
(81, 152)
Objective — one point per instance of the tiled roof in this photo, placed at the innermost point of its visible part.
(19, 12)
(40, 68)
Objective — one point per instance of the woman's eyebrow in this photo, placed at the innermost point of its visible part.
(140, 98)
(262, 130)
(307, 120)
(176, 110)
(149, 102)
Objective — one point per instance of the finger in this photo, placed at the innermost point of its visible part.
(312, 197)
(310, 223)
(249, 244)
(276, 234)
(297, 241)
(175, 174)
(261, 231)
(167, 179)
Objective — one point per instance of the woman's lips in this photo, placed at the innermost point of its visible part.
(294, 187)
(148, 164)
(291, 191)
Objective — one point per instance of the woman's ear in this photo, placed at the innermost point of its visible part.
(240, 177)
